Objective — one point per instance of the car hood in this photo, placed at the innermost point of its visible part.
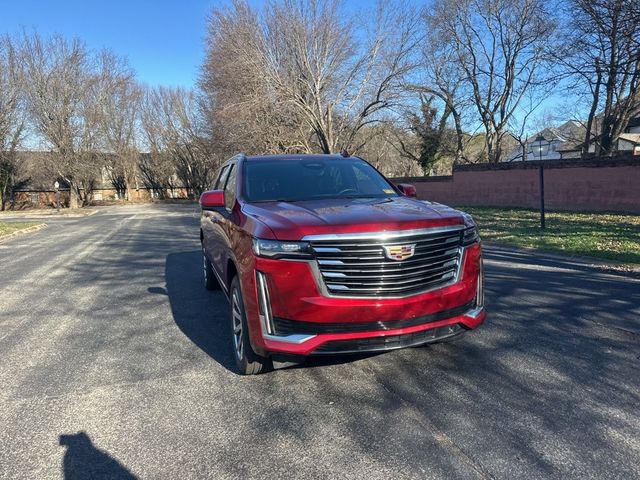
(294, 220)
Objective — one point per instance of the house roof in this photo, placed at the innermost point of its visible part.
(571, 131)
(634, 122)
(630, 137)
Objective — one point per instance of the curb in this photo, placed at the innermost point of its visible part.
(53, 214)
(610, 266)
(24, 231)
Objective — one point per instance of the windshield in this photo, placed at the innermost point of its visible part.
(311, 179)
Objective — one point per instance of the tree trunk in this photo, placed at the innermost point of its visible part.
(459, 135)
(74, 200)
(587, 135)
(490, 142)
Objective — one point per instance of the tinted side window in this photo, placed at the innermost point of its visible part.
(230, 188)
(222, 177)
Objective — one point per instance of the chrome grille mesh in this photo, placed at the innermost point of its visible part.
(358, 266)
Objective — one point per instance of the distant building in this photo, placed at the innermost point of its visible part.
(630, 139)
(628, 142)
(566, 136)
(566, 141)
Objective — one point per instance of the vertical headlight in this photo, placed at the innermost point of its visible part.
(480, 290)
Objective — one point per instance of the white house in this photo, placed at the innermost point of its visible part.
(630, 139)
(554, 141)
(565, 142)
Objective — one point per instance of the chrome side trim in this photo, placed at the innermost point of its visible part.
(295, 339)
(383, 236)
(225, 290)
(266, 317)
(474, 312)
(480, 291)
(462, 255)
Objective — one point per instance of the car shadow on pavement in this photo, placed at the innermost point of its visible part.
(82, 460)
(200, 314)
(203, 315)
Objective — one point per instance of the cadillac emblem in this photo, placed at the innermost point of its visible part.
(399, 252)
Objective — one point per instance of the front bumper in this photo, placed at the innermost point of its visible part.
(288, 314)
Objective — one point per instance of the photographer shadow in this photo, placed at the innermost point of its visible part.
(82, 460)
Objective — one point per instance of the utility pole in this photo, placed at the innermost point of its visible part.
(541, 145)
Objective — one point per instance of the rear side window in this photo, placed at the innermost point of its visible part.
(230, 188)
(222, 177)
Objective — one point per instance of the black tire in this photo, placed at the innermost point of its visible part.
(247, 361)
(210, 280)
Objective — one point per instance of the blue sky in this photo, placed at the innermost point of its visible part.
(163, 39)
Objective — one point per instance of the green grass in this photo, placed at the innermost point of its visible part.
(9, 228)
(599, 235)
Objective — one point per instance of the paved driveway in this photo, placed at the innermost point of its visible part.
(115, 364)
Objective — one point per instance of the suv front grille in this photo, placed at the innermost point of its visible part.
(361, 265)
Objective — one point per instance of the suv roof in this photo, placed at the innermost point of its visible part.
(298, 156)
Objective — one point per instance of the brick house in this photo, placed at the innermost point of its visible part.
(39, 192)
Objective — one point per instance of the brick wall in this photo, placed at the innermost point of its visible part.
(47, 199)
(590, 185)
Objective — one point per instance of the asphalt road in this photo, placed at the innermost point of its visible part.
(115, 364)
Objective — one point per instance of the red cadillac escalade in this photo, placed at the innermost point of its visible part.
(322, 255)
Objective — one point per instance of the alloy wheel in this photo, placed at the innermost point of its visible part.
(236, 324)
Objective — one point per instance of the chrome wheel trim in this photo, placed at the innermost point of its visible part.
(236, 323)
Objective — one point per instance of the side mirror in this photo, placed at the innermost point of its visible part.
(407, 190)
(212, 199)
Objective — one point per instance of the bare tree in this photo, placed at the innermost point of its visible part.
(118, 110)
(603, 53)
(155, 164)
(314, 64)
(522, 125)
(12, 118)
(174, 129)
(500, 45)
(241, 109)
(381, 149)
(442, 76)
(60, 108)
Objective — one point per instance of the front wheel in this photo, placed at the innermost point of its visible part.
(247, 361)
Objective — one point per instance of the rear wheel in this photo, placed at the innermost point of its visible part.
(210, 280)
(247, 361)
